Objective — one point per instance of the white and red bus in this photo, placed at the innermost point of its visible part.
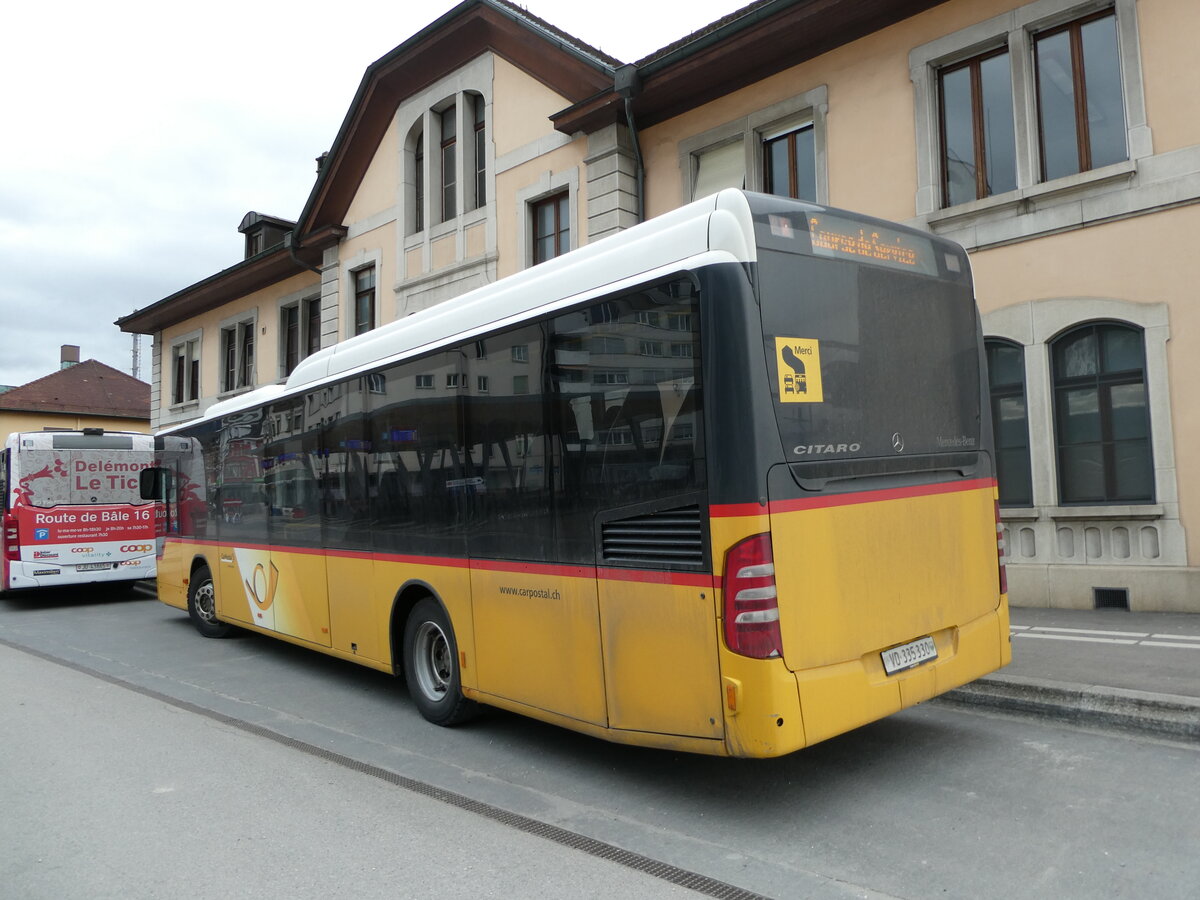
(72, 514)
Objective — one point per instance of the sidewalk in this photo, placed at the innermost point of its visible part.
(1109, 668)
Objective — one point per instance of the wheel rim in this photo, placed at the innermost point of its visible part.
(433, 663)
(206, 606)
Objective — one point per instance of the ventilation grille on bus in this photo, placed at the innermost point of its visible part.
(670, 537)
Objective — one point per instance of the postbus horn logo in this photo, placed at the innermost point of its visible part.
(260, 579)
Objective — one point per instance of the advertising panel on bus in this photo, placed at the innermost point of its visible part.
(72, 510)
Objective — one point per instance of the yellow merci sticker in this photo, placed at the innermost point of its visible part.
(798, 365)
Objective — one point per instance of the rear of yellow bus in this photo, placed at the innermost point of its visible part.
(862, 570)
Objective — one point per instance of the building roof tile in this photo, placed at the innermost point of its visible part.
(90, 387)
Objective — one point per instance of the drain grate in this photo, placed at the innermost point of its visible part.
(701, 884)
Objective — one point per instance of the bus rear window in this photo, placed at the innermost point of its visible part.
(60, 477)
(868, 361)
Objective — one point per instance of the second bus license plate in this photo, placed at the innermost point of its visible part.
(897, 659)
(93, 567)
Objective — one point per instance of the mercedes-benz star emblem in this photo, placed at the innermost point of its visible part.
(897, 443)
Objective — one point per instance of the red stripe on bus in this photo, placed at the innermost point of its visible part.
(532, 568)
(922, 490)
(727, 510)
(646, 576)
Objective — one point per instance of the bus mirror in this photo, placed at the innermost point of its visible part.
(150, 483)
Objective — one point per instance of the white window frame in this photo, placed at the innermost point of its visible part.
(750, 131)
(1010, 216)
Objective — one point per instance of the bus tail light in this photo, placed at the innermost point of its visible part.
(12, 538)
(751, 599)
(1000, 551)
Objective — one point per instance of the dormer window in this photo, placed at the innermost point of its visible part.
(263, 232)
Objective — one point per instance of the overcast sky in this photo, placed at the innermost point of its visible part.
(135, 135)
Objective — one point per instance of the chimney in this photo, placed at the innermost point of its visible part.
(68, 356)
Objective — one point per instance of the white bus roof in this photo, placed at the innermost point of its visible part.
(718, 228)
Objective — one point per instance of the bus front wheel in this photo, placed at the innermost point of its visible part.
(202, 605)
(431, 665)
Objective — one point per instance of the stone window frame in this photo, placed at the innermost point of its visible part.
(1035, 325)
(364, 259)
(467, 91)
(545, 186)
(299, 301)
(750, 129)
(238, 324)
(183, 344)
(1033, 204)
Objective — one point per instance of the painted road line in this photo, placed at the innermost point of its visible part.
(1176, 637)
(1132, 634)
(1169, 644)
(1075, 637)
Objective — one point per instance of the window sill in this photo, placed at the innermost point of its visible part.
(415, 239)
(1048, 190)
(1142, 511)
(1019, 513)
(1030, 211)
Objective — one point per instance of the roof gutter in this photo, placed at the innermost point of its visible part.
(289, 243)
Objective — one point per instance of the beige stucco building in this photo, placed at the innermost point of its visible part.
(1057, 140)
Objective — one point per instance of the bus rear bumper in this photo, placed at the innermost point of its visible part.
(840, 697)
(23, 575)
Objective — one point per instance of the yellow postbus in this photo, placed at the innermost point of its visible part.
(722, 483)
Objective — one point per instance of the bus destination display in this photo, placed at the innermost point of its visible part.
(841, 238)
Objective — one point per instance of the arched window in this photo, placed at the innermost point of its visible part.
(1101, 415)
(416, 176)
(1010, 421)
(478, 160)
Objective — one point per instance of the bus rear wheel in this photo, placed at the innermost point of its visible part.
(202, 605)
(431, 666)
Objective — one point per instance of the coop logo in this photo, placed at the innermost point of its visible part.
(82, 549)
(45, 554)
(41, 534)
(137, 548)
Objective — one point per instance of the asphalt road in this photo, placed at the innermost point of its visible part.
(140, 760)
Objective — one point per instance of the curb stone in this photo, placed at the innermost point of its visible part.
(1142, 712)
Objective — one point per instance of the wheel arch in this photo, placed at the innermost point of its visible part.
(407, 596)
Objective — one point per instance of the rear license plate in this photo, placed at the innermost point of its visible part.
(96, 567)
(897, 659)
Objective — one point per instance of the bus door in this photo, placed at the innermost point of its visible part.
(238, 513)
(655, 590)
(629, 492)
(534, 604)
(292, 585)
(342, 474)
(182, 513)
